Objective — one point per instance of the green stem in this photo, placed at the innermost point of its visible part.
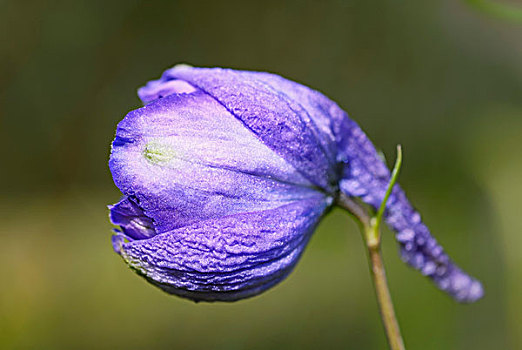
(371, 234)
(393, 179)
(393, 332)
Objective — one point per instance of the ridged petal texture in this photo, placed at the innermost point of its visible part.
(226, 174)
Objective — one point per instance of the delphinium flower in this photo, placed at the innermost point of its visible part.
(225, 174)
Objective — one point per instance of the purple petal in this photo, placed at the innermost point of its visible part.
(228, 258)
(185, 158)
(131, 219)
(366, 177)
(161, 88)
(279, 121)
(322, 114)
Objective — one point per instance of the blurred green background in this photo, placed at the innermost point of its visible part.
(440, 77)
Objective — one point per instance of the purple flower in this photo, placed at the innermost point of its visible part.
(226, 174)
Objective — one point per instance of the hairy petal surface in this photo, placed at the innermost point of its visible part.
(277, 120)
(227, 258)
(324, 114)
(366, 177)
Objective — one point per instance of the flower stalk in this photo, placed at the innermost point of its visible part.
(370, 228)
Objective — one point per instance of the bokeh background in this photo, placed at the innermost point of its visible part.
(442, 78)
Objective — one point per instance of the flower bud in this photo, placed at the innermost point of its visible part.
(225, 175)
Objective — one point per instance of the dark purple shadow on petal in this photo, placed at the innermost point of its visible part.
(132, 220)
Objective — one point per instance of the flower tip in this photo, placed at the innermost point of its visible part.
(476, 292)
(464, 288)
